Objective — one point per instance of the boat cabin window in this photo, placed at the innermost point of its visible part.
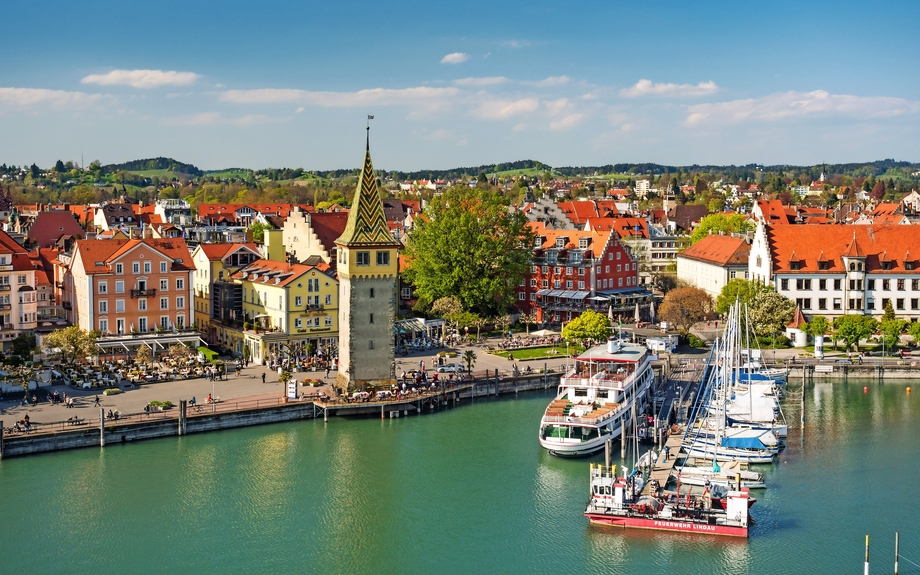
(602, 394)
(581, 392)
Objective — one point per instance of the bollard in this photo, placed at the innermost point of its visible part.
(1, 439)
(101, 427)
(544, 375)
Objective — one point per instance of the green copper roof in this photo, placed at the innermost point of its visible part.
(367, 224)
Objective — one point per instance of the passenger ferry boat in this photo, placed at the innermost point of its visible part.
(618, 501)
(595, 398)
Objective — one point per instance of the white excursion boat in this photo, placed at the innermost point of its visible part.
(725, 475)
(596, 398)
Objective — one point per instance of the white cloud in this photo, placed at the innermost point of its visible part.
(215, 118)
(489, 81)
(501, 109)
(455, 58)
(373, 96)
(298, 110)
(567, 122)
(519, 128)
(648, 88)
(26, 97)
(516, 43)
(142, 78)
(799, 105)
(556, 107)
(438, 135)
(549, 82)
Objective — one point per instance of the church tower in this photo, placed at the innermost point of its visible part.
(367, 266)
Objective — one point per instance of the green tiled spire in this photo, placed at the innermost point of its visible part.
(367, 224)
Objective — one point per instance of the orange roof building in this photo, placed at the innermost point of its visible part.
(713, 261)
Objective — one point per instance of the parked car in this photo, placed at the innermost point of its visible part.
(450, 368)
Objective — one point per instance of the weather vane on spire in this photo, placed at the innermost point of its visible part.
(369, 118)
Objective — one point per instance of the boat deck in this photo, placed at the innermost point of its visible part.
(661, 471)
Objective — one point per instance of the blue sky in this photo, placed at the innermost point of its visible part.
(267, 83)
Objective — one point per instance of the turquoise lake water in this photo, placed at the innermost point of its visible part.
(465, 491)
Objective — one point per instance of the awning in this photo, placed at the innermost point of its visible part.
(581, 295)
(555, 293)
(567, 294)
(543, 292)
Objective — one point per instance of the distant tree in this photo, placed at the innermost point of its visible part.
(741, 290)
(258, 232)
(34, 171)
(888, 315)
(852, 328)
(23, 345)
(447, 308)
(685, 306)
(589, 325)
(769, 312)
(716, 205)
(914, 331)
(891, 330)
(71, 343)
(878, 191)
(817, 326)
(527, 319)
(59, 167)
(144, 355)
(721, 223)
(665, 282)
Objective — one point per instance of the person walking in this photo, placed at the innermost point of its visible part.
(263, 377)
(96, 402)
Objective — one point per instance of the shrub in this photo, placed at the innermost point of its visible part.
(209, 355)
(111, 391)
(694, 341)
(161, 404)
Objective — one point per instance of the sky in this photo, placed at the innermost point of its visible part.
(256, 84)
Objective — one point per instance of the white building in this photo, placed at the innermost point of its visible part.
(713, 261)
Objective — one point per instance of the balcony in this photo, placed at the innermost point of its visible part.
(5, 307)
(143, 292)
(66, 305)
(314, 307)
(4, 287)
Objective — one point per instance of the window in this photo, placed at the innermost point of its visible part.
(103, 306)
(119, 306)
(804, 303)
(886, 266)
(298, 301)
(327, 320)
(606, 269)
(533, 297)
(164, 285)
(856, 303)
(142, 305)
(856, 285)
(533, 282)
(870, 285)
(522, 296)
(837, 303)
(822, 303)
(899, 303)
(544, 284)
(328, 299)
(164, 303)
(280, 302)
(885, 302)
(164, 321)
(298, 322)
(147, 267)
(21, 280)
(135, 268)
(363, 258)
(823, 265)
(915, 285)
(142, 324)
(581, 271)
(803, 284)
(870, 303)
(180, 303)
(163, 269)
(619, 268)
(104, 325)
(795, 266)
(620, 283)
(119, 269)
(837, 285)
(784, 284)
(557, 284)
(372, 293)
(886, 285)
(557, 270)
(383, 258)
(900, 284)
(180, 284)
(568, 270)
(371, 318)
(822, 285)
(914, 303)
(581, 285)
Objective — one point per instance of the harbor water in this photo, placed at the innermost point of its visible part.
(466, 491)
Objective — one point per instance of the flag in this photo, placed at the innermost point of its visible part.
(369, 117)
(715, 466)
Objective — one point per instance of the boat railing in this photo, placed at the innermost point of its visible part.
(580, 420)
(603, 379)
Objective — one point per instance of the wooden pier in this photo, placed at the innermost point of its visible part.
(393, 406)
(661, 470)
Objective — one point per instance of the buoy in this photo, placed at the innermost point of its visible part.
(865, 389)
(908, 389)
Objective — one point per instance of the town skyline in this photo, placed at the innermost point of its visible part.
(285, 86)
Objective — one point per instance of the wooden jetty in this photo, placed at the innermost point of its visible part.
(661, 470)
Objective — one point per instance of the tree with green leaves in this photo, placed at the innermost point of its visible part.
(731, 223)
(469, 358)
(23, 346)
(589, 325)
(469, 245)
(144, 355)
(769, 312)
(71, 343)
(740, 290)
(817, 326)
(914, 331)
(888, 315)
(852, 328)
(258, 232)
(891, 330)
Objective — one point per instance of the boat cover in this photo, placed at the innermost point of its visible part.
(743, 442)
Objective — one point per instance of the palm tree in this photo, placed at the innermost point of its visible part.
(469, 356)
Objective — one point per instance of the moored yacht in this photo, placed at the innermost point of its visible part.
(596, 398)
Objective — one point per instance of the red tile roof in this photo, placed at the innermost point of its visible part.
(105, 252)
(266, 271)
(328, 226)
(808, 243)
(215, 252)
(50, 226)
(719, 250)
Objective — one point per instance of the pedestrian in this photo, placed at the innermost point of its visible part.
(96, 403)
(667, 452)
(263, 377)
(327, 373)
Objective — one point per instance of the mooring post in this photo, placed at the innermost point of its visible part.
(326, 414)
(608, 449)
(101, 427)
(896, 537)
(1, 439)
(802, 406)
(544, 375)
(622, 440)
(183, 405)
(381, 411)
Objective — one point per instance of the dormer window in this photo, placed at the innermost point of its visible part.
(824, 266)
(583, 243)
(538, 241)
(886, 266)
(794, 266)
(560, 242)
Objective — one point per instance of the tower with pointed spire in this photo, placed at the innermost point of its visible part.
(367, 265)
